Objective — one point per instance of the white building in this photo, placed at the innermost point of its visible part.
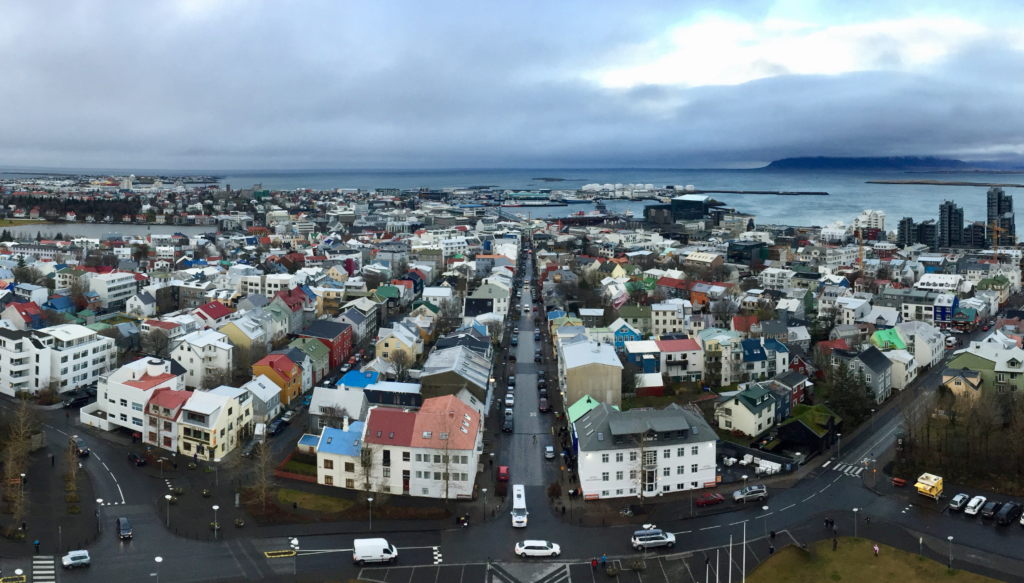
(114, 289)
(904, 368)
(850, 310)
(924, 341)
(122, 394)
(670, 316)
(943, 283)
(78, 355)
(775, 278)
(657, 452)
(207, 355)
(869, 219)
(24, 362)
(751, 411)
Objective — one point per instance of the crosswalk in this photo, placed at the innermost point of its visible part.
(854, 470)
(43, 569)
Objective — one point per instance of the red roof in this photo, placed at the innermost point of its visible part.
(826, 347)
(214, 310)
(162, 324)
(26, 310)
(147, 381)
(390, 426)
(743, 323)
(686, 345)
(673, 283)
(170, 399)
(281, 364)
(292, 298)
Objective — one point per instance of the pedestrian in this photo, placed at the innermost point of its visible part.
(868, 518)
(604, 560)
(826, 524)
(37, 549)
(771, 550)
(835, 543)
(835, 531)
(67, 415)
(593, 564)
(563, 510)
(876, 550)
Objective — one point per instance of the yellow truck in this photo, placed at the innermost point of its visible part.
(929, 485)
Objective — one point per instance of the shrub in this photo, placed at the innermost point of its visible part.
(74, 509)
(555, 490)
(71, 498)
(206, 493)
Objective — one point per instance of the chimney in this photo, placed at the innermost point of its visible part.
(344, 423)
(154, 367)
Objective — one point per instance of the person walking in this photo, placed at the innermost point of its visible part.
(37, 548)
(593, 564)
(535, 439)
(827, 523)
(604, 561)
(876, 551)
(835, 543)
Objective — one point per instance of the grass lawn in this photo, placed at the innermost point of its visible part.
(314, 502)
(16, 222)
(854, 562)
(725, 435)
(300, 468)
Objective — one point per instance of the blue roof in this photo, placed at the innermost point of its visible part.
(773, 344)
(309, 440)
(61, 303)
(752, 350)
(358, 378)
(341, 442)
(555, 314)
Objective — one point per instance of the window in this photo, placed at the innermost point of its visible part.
(350, 467)
(437, 458)
(124, 417)
(632, 456)
(329, 480)
(167, 441)
(419, 458)
(693, 468)
(666, 454)
(604, 458)
(387, 472)
(618, 457)
(328, 464)
(137, 406)
(426, 492)
(681, 452)
(350, 483)
(618, 475)
(419, 474)
(666, 471)
(437, 476)
(693, 450)
(632, 474)
(405, 456)
(728, 424)
(680, 470)
(124, 402)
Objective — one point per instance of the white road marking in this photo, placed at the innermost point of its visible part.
(763, 515)
(683, 532)
(710, 527)
(735, 523)
(825, 465)
(825, 488)
(809, 497)
(788, 507)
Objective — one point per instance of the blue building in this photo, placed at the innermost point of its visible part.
(624, 333)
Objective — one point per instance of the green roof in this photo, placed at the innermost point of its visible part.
(388, 291)
(582, 407)
(96, 327)
(814, 417)
(85, 313)
(888, 339)
(312, 347)
(429, 306)
(635, 311)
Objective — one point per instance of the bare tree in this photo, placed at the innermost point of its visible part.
(19, 429)
(158, 343)
(722, 311)
(450, 316)
(497, 333)
(71, 463)
(215, 378)
(262, 475)
(53, 318)
(402, 362)
(630, 379)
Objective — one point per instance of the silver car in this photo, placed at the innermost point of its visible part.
(749, 493)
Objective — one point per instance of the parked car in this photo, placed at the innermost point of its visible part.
(136, 459)
(250, 447)
(958, 502)
(990, 509)
(542, 405)
(536, 335)
(76, 400)
(709, 499)
(276, 426)
(516, 330)
(288, 416)
(536, 357)
(541, 384)
(124, 528)
(540, 375)
(543, 392)
(749, 493)
(1010, 512)
(655, 537)
(307, 400)
(346, 367)
(974, 506)
(75, 559)
(511, 380)
(515, 340)
(549, 452)
(537, 548)
(510, 399)
(502, 473)
(508, 425)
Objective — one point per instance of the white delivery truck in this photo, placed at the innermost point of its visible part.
(373, 550)
(260, 433)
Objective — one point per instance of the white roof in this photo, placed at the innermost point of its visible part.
(583, 354)
(206, 403)
(901, 356)
(262, 388)
(208, 337)
(68, 332)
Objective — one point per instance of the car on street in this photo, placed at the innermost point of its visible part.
(124, 528)
(511, 380)
(958, 502)
(990, 509)
(709, 499)
(250, 447)
(515, 340)
(536, 357)
(535, 308)
(541, 384)
(502, 473)
(549, 452)
(749, 493)
(537, 548)
(76, 400)
(650, 538)
(80, 448)
(307, 400)
(540, 374)
(75, 559)
(288, 416)
(542, 405)
(508, 425)
(276, 426)
(136, 459)
(974, 506)
(510, 399)
(516, 330)
(543, 392)
(536, 335)
(1010, 512)
(346, 367)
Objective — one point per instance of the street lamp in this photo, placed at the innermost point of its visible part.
(485, 505)
(872, 420)
(157, 574)
(854, 523)
(216, 474)
(168, 498)
(765, 508)
(216, 527)
(99, 505)
(950, 538)
(22, 483)
(839, 445)
(369, 506)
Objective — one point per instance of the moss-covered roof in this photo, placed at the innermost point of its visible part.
(814, 417)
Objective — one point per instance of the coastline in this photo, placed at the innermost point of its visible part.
(945, 183)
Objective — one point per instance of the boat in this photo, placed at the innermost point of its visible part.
(629, 213)
(510, 205)
(600, 206)
(574, 200)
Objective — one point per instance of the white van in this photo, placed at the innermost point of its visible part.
(373, 550)
(260, 432)
(519, 512)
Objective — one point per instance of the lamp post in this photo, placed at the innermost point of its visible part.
(216, 473)
(485, 505)
(216, 527)
(839, 446)
(168, 498)
(492, 466)
(157, 574)
(99, 505)
(369, 506)
(854, 523)
(872, 420)
(950, 538)
(765, 508)
(22, 483)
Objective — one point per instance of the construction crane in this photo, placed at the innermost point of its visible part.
(996, 229)
(860, 254)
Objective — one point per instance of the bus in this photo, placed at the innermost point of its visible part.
(519, 512)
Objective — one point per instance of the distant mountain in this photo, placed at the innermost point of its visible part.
(890, 163)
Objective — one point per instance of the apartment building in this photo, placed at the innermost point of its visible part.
(122, 394)
(212, 423)
(208, 357)
(114, 289)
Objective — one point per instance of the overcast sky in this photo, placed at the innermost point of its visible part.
(219, 85)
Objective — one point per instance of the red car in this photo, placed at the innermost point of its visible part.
(984, 328)
(709, 499)
(502, 473)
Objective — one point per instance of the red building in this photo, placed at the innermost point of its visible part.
(337, 337)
